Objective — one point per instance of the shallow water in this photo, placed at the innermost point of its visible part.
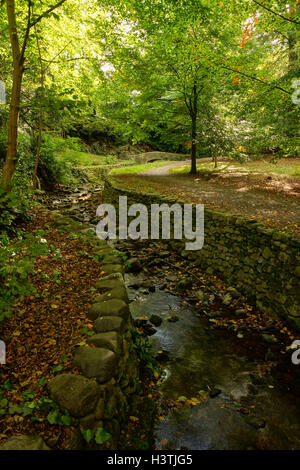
(202, 358)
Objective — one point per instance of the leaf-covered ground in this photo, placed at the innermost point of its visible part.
(44, 330)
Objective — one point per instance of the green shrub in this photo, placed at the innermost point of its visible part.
(16, 262)
(55, 170)
(97, 149)
(110, 159)
(50, 169)
(13, 205)
(237, 155)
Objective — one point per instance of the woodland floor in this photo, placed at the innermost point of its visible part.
(273, 200)
(46, 327)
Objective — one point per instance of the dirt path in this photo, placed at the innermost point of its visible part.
(164, 170)
(271, 200)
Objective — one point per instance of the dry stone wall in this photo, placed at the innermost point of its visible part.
(261, 263)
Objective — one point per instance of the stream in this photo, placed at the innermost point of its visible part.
(241, 405)
(200, 359)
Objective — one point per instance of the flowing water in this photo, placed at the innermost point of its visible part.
(203, 359)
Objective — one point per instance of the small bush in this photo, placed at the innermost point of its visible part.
(53, 170)
(50, 169)
(13, 205)
(237, 155)
(16, 263)
(110, 159)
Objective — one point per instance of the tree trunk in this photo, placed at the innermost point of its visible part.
(38, 151)
(194, 115)
(11, 155)
(194, 146)
(39, 137)
(215, 160)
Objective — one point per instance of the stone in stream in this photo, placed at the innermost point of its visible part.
(24, 442)
(215, 392)
(136, 284)
(162, 356)
(139, 322)
(156, 320)
(98, 363)
(148, 330)
(76, 393)
(148, 285)
(255, 421)
(173, 319)
(133, 265)
(110, 340)
(103, 324)
(109, 308)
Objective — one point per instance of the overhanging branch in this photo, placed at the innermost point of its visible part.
(275, 12)
(47, 12)
(256, 79)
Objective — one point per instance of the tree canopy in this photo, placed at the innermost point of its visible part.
(189, 76)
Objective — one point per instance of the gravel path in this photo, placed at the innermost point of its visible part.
(271, 200)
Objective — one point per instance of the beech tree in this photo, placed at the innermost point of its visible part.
(19, 32)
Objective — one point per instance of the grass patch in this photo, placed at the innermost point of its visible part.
(139, 168)
(283, 167)
(82, 159)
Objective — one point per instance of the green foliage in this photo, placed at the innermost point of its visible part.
(16, 263)
(35, 408)
(50, 169)
(238, 156)
(13, 205)
(135, 83)
(100, 435)
(143, 349)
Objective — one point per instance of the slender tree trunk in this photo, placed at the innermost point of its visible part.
(194, 115)
(38, 151)
(216, 160)
(11, 155)
(40, 126)
(194, 145)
